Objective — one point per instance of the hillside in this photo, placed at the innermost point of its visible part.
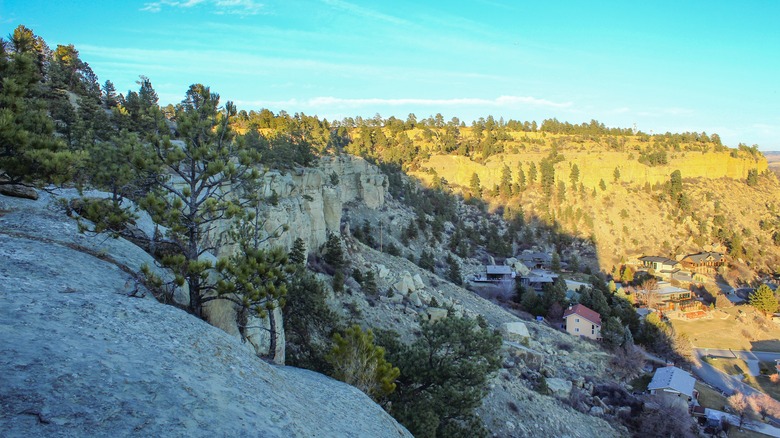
(89, 352)
(631, 216)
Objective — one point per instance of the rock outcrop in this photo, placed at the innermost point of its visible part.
(87, 351)
(311, 205)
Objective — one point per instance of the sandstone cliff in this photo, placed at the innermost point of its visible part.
(88, 352)
(310, 202)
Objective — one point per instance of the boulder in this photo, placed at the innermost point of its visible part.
(18, 191)
(418, 282)
(515, 331)
(561, 388)
(382, 271)
(436, 313)
(598, 410)
(414, 298)
(405, 284)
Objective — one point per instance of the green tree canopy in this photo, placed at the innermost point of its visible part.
(764, 300)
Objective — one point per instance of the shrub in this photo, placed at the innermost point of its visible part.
(356, 360)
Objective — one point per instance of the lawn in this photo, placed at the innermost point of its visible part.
(734, 432)
(710, 398)
(728, 365)
(723, 332)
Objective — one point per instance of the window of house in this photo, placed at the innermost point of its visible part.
(577, 329)
(576, 320)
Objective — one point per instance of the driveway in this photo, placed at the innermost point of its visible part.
(726, 383)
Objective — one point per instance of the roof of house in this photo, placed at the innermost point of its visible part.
(540, 276)
(658, 259)
(579, 309)
(673, 378)
(665, 288)
(498, 269)
(703, 256)
(531, 256)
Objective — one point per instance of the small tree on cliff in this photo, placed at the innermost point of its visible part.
(206, 178)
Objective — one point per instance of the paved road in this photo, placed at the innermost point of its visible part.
(766, 356)
(726, 383)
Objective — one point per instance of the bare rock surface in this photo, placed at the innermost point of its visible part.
(80, 356)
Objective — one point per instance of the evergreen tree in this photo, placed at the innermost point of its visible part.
(475, 186)
(505, 187)
(616, 174)
(427, 261)
(297, 255)
(555, 264)
(602, 185)
(29, 150)
(521, 181)
(532, 173)
(308, 321)
(574, 175)
(209, 173)
(764, 300)
(333, 253)
(453, 270)
(444, 376)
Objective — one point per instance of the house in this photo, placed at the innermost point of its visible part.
(675, 299)
(673, 384)
(536, 260)
(537, 278)
(582, 321)
(499, 273)
(704, 262)
(663, 266)
(667, 292)
(495, 274)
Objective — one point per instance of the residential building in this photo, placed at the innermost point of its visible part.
(537, 278)
(536, 260)
(663, 266)
(704, 262)
(582, 321)
(673, 384)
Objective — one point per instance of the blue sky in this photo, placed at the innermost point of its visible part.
(665, 66)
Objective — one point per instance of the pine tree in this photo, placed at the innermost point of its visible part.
(764, 300)
(574, 175)
(475, 186)
(444, 376)
(297, 254)
(532, 174)
(333, 252)
(453, 270)
(209, 174)
(29, 150)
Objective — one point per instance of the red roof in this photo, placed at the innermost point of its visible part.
(579, 309)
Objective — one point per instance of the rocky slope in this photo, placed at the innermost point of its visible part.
(408, 294)
(87, 352)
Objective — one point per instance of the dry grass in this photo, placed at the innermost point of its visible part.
(728, 365)
(734, 432)
(725, 333)
(710, 398)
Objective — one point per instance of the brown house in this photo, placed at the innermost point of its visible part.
(704, 261)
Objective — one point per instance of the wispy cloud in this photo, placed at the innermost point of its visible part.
(363, 12)
(499, 102)
(231, 7)
(672, 111)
